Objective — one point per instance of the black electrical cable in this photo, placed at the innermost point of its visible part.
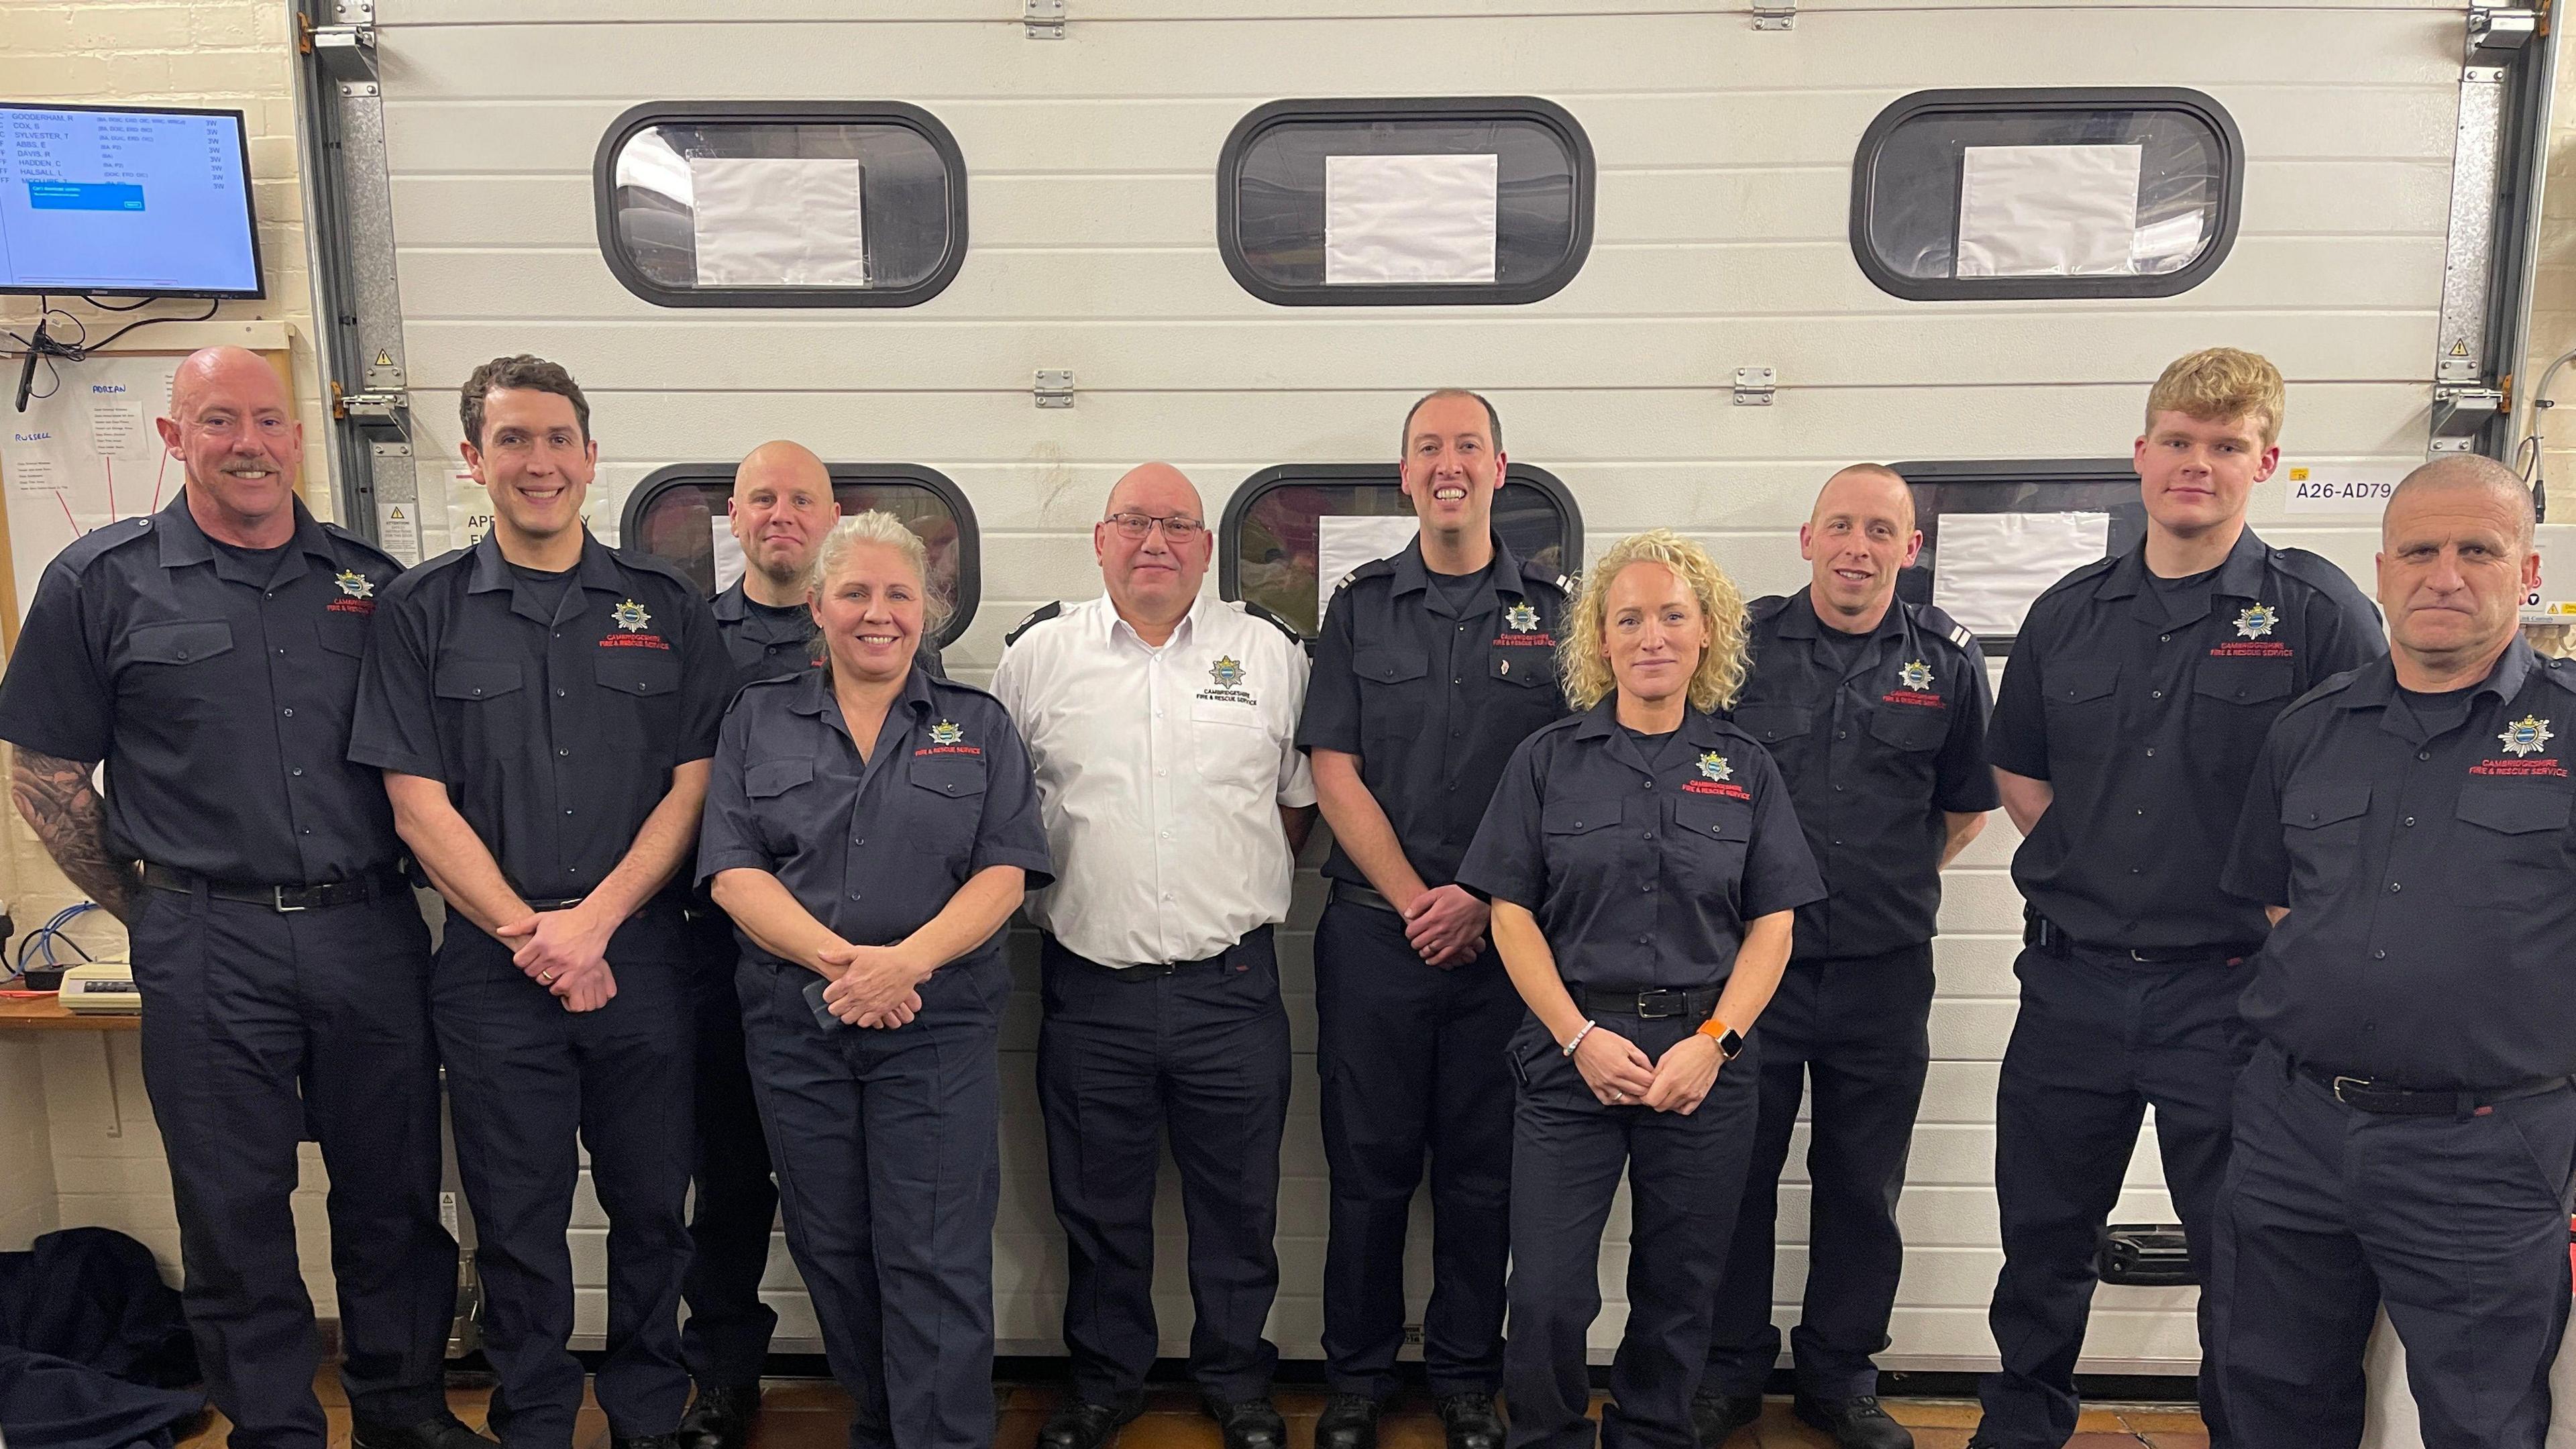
(47, 347)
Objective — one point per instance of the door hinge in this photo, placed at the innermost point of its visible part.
(372, 405)
(1043, 19)
(1775, 14)
(2459, 414)
(1054, 387)
(1753, 387)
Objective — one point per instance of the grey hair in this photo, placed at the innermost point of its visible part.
(2476, 470)
(879, 527)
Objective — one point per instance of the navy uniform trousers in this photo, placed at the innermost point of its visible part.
(2458, 1223)
(525, 1078)
(1413, 1061)
(1860, 1028)
(726, 1338)
(1202, 1046)
(262, 1028)
(1685, 1178)
(888, 1146)
(2100, 1038)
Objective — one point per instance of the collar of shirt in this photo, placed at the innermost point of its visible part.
(183, 543)
(597, 570)
(1112, 624)
(2240, 576)
(1601, 722)
(814, 698)
(1413, 576)
(2374, 685)
(1800, 621)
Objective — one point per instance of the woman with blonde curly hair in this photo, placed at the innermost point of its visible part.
(1644, 868)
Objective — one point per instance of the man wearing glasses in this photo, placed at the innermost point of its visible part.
(1162, 727)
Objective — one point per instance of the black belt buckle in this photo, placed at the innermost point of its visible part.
(1655, 1005)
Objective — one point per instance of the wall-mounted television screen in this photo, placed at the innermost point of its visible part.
(127, 201)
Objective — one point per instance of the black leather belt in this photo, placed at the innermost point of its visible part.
(1256, 938)
(556, 903)
(1654, 1004)
(2369, 1095)
(2040, 931)
(282, 898)
(1360, 895)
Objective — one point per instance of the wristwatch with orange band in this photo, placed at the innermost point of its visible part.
(1730, 1042)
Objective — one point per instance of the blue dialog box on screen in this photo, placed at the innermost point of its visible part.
(83, 196)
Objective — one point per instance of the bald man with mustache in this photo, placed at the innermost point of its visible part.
(208, 655)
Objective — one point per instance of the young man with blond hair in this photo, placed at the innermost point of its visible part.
(2132, 711)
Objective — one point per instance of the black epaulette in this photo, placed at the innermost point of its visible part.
(763, 682)
(1931, 617)
(2315, 570)
(1376, 568)
(345, 536)
(1275, 622)
(1768, 606)
(2558, 673)
(1037, 616)
(2332, 686)
(2094, 570)
(90, 547)
(1547, 577)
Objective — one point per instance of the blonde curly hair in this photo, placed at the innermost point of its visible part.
(1583, 655)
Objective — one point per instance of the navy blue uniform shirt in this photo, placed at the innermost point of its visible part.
(2144, 710)
(1874, 755)
(218, 691)
(1432, 700)
(764, 642)
(872, 847)
(1642, 872)
(555, 734)
(2431, 880)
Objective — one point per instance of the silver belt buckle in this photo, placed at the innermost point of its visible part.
(1670, 1002)
(2363, 1083)
(277, 898)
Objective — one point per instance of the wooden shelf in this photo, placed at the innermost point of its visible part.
(46, 1014)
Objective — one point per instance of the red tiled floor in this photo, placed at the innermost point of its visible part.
(814, 1414)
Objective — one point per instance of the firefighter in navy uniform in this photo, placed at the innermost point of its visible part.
(782, 506)
(2405, 1134)
(208, 654)
(543, 709)
(1875, 711)
(2131, 713)
(1645, 867)
(1432, 666)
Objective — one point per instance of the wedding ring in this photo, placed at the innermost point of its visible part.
(547, 977)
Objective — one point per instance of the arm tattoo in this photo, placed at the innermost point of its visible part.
(55, 796)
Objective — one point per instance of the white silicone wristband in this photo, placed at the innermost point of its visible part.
(1568, 1048)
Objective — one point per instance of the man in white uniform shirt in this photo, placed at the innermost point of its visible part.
(1162, 729)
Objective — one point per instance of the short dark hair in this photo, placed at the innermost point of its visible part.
(1493, 419)
(522, 373)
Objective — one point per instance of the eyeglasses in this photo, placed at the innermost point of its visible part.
(1176, 529)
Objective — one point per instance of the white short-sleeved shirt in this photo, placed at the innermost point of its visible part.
(1160, 777)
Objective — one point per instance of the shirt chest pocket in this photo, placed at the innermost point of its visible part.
(2083, 709)
(1234, 745)
(945, 804)
(1393, 700)
(1775, 725)
(779, 803)
(1524, 665)
(476, 681)
(645, 675)
(1909, 727)
(2512, 847)
(2321, 833)
(1712, 834)
(1583, 846)
(2253, 681)
(164, 672)
(187, 641)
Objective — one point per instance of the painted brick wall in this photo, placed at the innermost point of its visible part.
(78, 1145)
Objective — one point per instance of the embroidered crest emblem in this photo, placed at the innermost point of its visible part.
(947, 733)
(1915, 676)
(1521, 617)
(630, 616)
(2257, 621)
(1713, 766)
(354, 584)
(1226, 672)
(2528, 735)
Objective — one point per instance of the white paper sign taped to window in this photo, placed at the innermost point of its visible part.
(1344, 543)
(2048, 211)
(1988, 567)
(1398, 219)
(2353, 490)
(769, 221)
(728, 551)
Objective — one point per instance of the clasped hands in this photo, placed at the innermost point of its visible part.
(1620, 1075)
(871, 986)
